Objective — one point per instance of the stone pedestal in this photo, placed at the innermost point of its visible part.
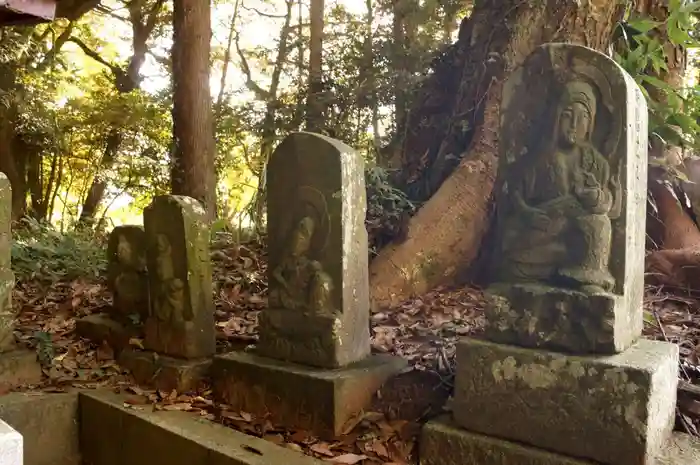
(616, 410)
(298, 396)
(163, 372)
(100, 327)
(538, 316)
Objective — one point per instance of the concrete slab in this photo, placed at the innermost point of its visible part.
(48, 424)
(112, 434)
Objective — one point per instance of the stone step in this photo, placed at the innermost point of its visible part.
(114, 435)
(445, 443)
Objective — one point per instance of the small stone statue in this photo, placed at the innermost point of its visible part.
(128, 284)
(558, 228)
(300, 283)
(127, 273)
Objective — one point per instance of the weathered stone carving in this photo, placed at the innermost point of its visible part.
(127, 276)
(300, 283)
(181, 318)
(570, 205)
(169, 306)
(559, 226)
(318, 282)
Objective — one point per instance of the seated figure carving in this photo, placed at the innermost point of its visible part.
(557, 229)
(300, 282)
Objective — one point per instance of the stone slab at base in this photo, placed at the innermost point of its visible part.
(616, 410)
(10, 445)
(538, 316)
(17, 368)
(298, 396)
(100, 327)
(163, 372)
(442, 442)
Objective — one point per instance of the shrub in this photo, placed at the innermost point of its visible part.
(39, 251)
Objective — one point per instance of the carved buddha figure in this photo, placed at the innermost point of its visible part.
(127, 285)
(299, 282)
(169, 304)
(558, 229)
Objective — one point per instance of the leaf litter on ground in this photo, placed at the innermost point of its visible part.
(423, 330)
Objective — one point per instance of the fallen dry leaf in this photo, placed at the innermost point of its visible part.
(348, 459)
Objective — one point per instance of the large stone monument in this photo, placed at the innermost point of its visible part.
(179, 329)
(564, 376)
(17, 366)
(312, 366)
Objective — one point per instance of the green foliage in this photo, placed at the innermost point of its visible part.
(387, 209)
(642, 51)
(41, 252)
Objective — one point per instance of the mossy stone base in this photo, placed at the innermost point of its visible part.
(163, 372)
(617, 410)
(538, 316)
(323, 341)
(442, 442)
(296, 396)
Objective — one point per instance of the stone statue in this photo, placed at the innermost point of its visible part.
(300, 282)
(127, 276)
(128, 284)
(557, 226)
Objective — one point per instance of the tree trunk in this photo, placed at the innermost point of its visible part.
(193, 169)
(450, 149)
(401, 32)
(99, 183)
(314, 103)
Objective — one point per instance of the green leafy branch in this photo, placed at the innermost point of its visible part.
(673, 112)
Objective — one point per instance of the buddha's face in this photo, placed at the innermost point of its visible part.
(302, 237)
(574, 124)
(124, 250)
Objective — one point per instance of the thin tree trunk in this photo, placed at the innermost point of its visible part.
(314, 104)
(227, 59)
(99, 184)
(193, 168)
